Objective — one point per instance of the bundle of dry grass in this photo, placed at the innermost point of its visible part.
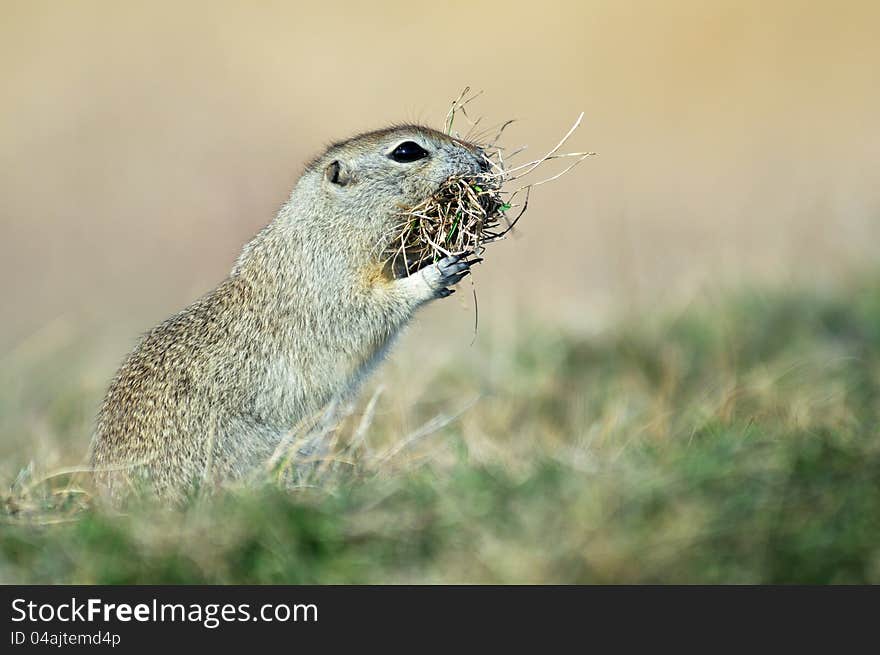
(469, 212)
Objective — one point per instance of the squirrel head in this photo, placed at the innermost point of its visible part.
(364, 184)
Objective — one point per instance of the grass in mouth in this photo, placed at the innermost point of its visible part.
(468, 212)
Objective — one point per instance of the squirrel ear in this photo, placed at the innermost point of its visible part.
(336, 173)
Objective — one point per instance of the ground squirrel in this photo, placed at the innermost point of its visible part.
(306, 312)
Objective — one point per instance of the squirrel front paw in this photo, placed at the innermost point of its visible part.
(433, 281)
(447, 272)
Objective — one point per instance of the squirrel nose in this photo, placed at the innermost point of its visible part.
(483, 162)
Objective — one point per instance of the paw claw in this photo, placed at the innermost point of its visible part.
(448, 272)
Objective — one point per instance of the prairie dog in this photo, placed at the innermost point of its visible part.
(304, 315)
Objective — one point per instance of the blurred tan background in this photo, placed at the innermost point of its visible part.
(143, 143)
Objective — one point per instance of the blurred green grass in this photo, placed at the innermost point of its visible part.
(736, 442)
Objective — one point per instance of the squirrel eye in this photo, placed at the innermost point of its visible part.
(408, 151)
